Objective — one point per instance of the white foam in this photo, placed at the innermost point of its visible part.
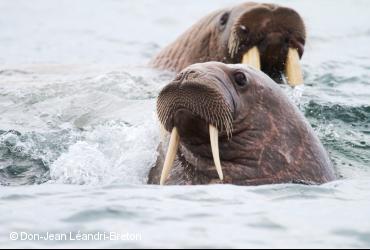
(110, 153)
(295, 94)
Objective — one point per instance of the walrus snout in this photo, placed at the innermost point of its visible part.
(194, 97)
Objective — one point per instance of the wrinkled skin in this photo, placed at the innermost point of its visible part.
(271, 141)
(225, 35)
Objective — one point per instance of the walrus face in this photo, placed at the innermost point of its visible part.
(205, 106)
(266, 36)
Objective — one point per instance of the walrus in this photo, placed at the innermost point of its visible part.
(233, 124)
(267, 36)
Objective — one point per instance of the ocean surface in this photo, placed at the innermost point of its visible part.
(78, 132)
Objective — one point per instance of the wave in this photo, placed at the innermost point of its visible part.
(359, 115)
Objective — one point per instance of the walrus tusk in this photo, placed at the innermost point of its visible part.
(252, 58)
(171, 155)
(213, 134)
(293, 70)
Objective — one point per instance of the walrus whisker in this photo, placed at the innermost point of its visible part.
(208, 105)
(233, 43)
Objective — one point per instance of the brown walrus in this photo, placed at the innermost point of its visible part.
(266, 36)
(235, 118)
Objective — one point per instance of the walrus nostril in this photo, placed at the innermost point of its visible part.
(179, 77)
(191, 74)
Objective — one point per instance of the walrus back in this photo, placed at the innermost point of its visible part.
(183, 51)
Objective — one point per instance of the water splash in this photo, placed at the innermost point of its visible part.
(295, 94)
(110, 153)
(25, 158)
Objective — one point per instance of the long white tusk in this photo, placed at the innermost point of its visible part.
(252, 58)
(293, 70)
(213, 133)
(171, 155)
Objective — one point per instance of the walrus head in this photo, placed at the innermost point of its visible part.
(233, 123)
(267, 36)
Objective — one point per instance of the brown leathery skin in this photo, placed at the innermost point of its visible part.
(226, 34)
(271, 141)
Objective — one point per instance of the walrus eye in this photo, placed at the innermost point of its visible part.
(240, 79)
(224, 18)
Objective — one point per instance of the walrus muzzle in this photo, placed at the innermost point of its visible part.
(183, 104)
